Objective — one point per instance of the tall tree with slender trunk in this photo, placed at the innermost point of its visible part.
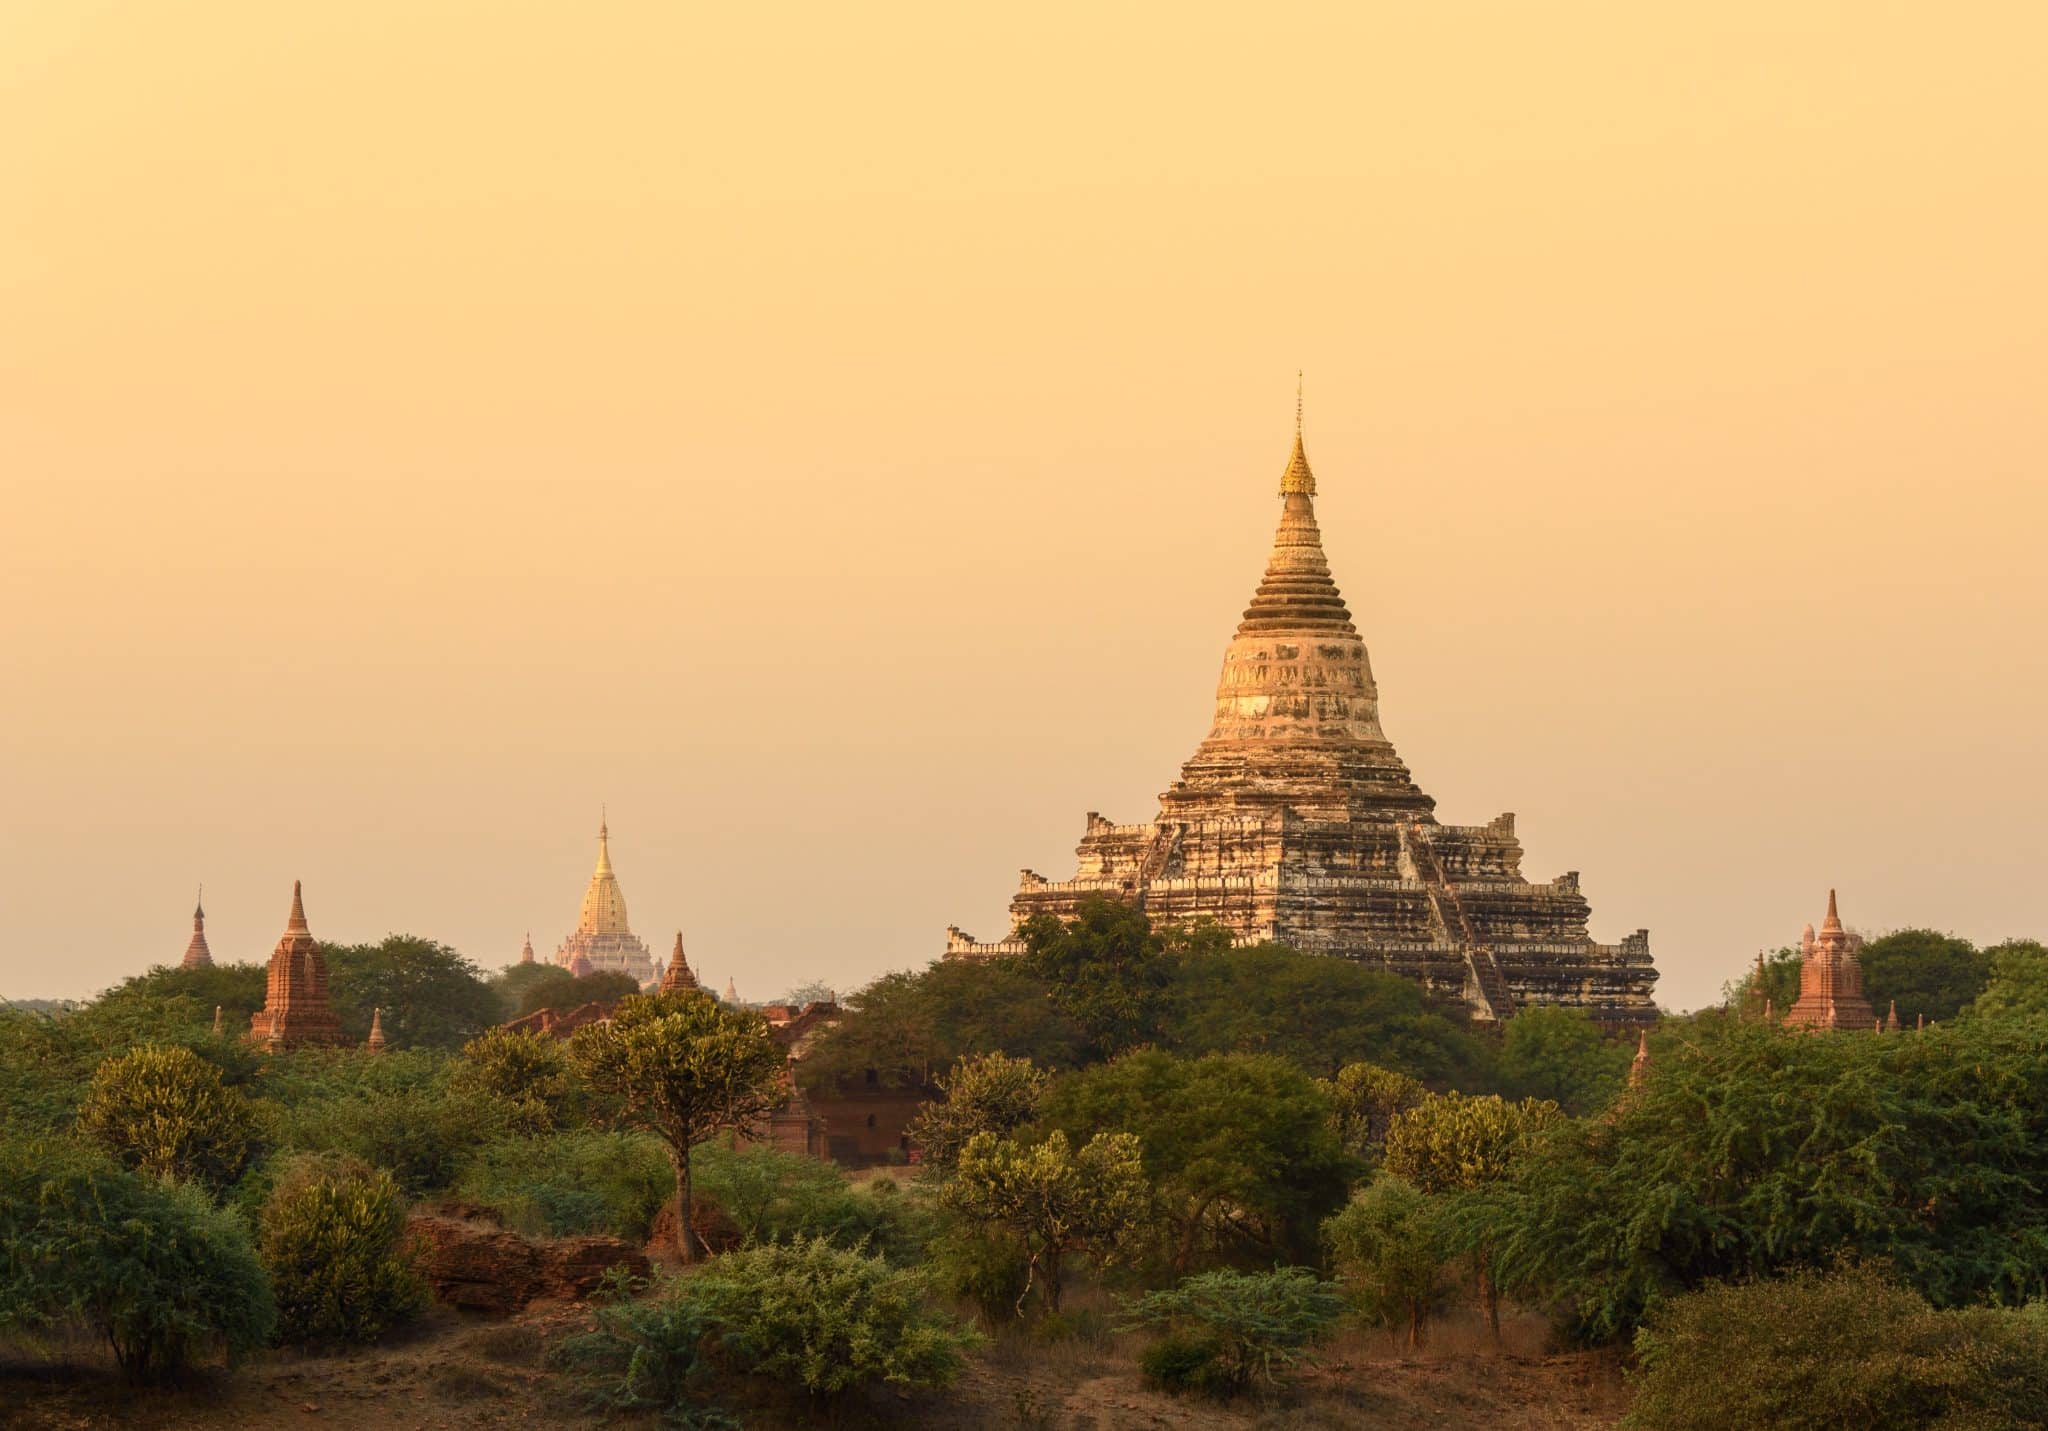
(685, 1067)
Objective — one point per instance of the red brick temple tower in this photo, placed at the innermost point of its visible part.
(1830, 979)
(197, 955)
(296, 1009)
(678, 977)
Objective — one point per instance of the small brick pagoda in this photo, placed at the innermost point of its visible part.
(1831, 980)
(296, 1009)
(197, 955)
(603, 939)
(1296, 822)
(678, 976)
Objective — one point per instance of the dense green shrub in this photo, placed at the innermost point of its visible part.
(153, 1267)
(563, 1184)
(420, 1134)
(1390, 1245)
(645, 1355)
(1364, 1101)
(1815, 1351)
(1185, 1364)
(165, 1111)
(829, 1317)
(1751, 1150)
(773, 1196)
(987, 1093)
(47, 1060)
(1239, 1148)
(988, 1268)
(529, 1070)
(1263, 1323)
(331, 1236)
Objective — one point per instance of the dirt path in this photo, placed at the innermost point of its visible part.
(453, 1373)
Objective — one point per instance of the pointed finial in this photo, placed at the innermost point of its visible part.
(199, 904)
(375, 1042)
(1297, 402)
(297, 922)
(216, 1020)
(1767, 1008)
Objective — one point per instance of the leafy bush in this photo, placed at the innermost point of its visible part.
(774, 1196)
(1390, 1245)
(330, 1237)
(645, 1355)
(47, 1060)
(420, 1134)
(529, 1070)
(564, 1184)
(153, 1267)
(1185, 1363)
(1364, 1100)
(166, 1112)
(1239, 1147)
(828, 1317)
(1262, 1322)
(989, 1268)
(987, 1093)
(1829, 1349)
(1753, 1150)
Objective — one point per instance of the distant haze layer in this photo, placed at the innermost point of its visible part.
(841, 439)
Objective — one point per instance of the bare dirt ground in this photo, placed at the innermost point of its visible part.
(453, 1373)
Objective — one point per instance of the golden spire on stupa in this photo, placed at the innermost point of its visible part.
(604, 905)
(1297, 479)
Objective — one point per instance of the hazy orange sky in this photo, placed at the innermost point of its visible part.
(841, 438)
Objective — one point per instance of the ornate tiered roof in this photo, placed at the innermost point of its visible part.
(603, 938)
(1296, 821)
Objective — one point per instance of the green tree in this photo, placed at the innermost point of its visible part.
(331, 1238)
(1449, 1143)
(2018, 984)
(1364, 1101)
(1752, 1150)
(1316, 1011)
(993, 1093)
(1776, 989)
(907, 1026)
(529, 1070)
(1925, 973)
(152, 1267)
(1054, 1199)
(684, 1066)
(1390, 1244)
(1106, 968)
(237, 990)
(1239, 1146)
(1560, 1054)
(431, 996)
(166, 1112)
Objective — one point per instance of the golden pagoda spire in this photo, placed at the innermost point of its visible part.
(1297, 480)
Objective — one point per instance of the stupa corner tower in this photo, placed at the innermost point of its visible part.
(1296, 822)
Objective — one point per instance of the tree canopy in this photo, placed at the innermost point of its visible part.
(431, 996)
(1241, 1147)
